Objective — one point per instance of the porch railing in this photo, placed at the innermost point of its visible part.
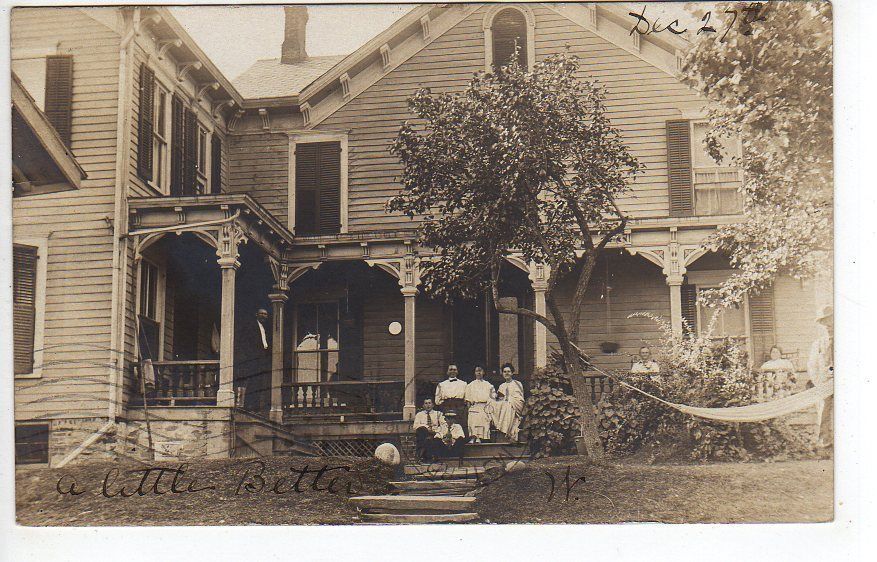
(372, 399)
(179, 383)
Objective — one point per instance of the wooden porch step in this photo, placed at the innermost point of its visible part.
(505, 451)
(413, 503)
(427, 472)
(425, 485)
(418, 519)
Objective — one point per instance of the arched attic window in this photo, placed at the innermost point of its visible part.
(505, 29)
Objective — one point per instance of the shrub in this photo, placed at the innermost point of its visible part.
(699, 371)
(551, 416)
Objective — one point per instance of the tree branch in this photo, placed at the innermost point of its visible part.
(503, 309)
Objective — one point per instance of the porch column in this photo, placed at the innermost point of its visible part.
(539, 279)
(410, 407)
(675, 284)
(225, 394)
(278, 302)
(229, 237)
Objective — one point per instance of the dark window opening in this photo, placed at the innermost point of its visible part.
(509, 31)
(31, 444)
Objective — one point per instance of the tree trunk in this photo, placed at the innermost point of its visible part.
(582, 393)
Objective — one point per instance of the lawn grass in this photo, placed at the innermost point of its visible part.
(237, 497)
(794, 491)
(617, 491)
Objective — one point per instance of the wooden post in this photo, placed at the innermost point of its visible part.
(229, 237)
(539, 279)
(410, 406)
(675, 283)
(225, 395)
(278, 302)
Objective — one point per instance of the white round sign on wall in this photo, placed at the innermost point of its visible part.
(395, 328)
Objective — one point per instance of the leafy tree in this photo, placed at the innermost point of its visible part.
(770, 83)
(519, 162)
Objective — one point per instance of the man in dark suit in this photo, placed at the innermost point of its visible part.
(253, 361)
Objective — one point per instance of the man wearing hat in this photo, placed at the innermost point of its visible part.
(452, 436)
(820, 368)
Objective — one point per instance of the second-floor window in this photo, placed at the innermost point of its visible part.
(317, 188)
(160, 138)
(174, 146)
(698, 185)
(201, 164)
(715, 185)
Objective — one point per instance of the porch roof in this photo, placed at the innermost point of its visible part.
(148, 215)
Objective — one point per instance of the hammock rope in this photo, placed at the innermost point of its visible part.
(736, 414)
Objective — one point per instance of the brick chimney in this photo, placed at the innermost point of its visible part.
(293, 49)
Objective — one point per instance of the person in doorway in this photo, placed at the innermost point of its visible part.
(645, 364)
(509, 405)
(427, 423)
(820, 368)
(450, 394)
(479, 394)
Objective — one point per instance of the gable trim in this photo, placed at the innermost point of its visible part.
(644, 48)
(360, 82)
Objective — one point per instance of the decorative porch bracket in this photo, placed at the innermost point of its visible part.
(407, 271)
(284, 275)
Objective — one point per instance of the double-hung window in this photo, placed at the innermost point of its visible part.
(715, 185)
(160, 138)
(202, 166)
(148, 311)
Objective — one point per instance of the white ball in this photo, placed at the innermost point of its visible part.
(515, 466)
(387, 453)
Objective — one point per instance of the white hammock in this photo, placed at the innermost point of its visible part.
(752, 413)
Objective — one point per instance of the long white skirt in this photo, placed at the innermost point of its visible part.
(507, 416)
(479, 420)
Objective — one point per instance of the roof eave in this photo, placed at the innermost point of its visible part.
(47, 135)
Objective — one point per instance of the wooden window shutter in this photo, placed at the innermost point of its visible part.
(59, 94)
(24, 289)
(679, 168)
(177, 135)
(318, 188)
(330, 188)
(761, 323)
(190, 146)
(215, 164)
(509, 29)
(689, 308)
(145, 123)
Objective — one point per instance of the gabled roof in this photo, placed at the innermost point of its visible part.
(269, 78)
(41, 162)
(609, 21)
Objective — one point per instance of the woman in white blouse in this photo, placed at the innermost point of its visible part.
(778, 373)
(509, 406)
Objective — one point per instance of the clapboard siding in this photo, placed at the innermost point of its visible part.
(74, 381)
(259, 165)
(636, 286)
(384, 354)
(640, 100)
(795, 317)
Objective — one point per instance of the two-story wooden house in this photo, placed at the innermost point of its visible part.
(207, 201)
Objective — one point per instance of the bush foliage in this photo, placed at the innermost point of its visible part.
(551, 415)
(698, 371)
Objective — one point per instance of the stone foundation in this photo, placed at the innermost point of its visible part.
(65, 435)
(178, 434)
